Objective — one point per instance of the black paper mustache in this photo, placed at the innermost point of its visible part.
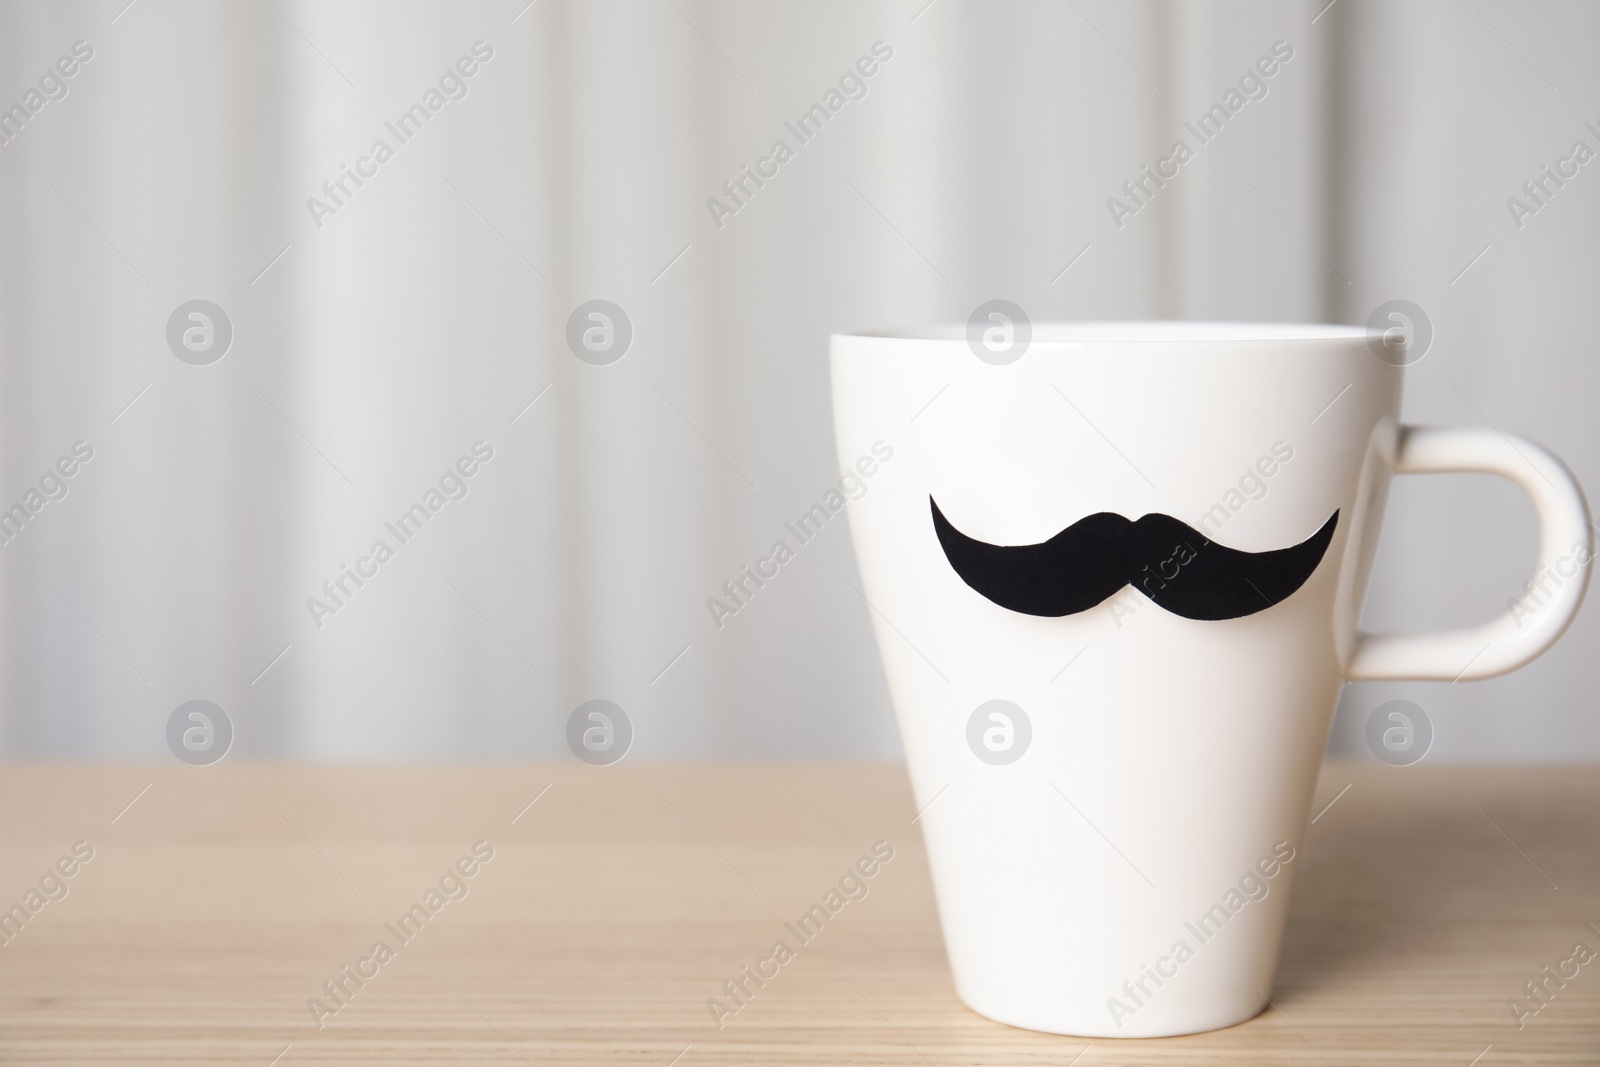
(1168, 560)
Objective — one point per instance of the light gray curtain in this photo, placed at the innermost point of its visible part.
(380, 334)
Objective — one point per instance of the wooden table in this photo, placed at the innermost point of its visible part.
(221, 899)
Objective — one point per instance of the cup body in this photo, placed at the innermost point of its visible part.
(1119, 863)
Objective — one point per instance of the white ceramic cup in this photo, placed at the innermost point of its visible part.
(1112, 848)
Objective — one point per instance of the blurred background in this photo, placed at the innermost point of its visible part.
(364, 336)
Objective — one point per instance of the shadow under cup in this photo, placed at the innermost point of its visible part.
(1113, 798)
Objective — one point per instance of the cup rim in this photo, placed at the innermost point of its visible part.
(1149, 331)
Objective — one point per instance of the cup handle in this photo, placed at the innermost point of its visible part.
(1560, 576)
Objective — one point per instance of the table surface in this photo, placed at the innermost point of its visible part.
(221, 899)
